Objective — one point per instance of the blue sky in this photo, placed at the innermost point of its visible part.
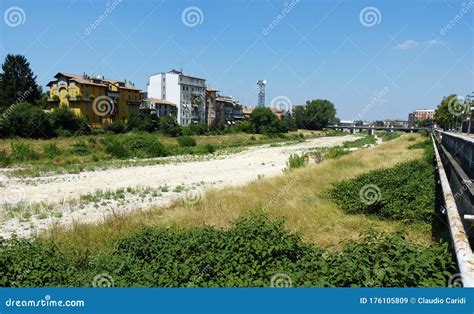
(376, 68)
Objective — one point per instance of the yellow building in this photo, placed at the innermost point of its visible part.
(102, 101)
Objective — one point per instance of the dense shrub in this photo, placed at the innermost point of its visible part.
(404, 192)
(5, 159)
(209, 148)
(360, 142)
(27, 121)
(66, 122)
(51, 150)
(142, 122)
(245, 126)
(116, 127)
(186, 141)
(169, 126)
(195, 129)
(79, 148)
(335, 152)
(247, 255)
(296, 161)
(115, 148)
(22, 151)
(144, 145)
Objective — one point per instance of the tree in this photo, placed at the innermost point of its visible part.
(169, 126)
(142, 122)
(447, 113)
(17, 82)
(378, 123)
(299, 116)
(263, 120)
(318, 113)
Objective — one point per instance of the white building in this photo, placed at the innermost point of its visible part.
(187, 92)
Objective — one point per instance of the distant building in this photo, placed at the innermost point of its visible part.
(421, 115)
(261, 93)
(100, 100)
(346, 123)
(187, 92)
(395, 123)
(159, 107)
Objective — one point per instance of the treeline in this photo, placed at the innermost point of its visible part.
(23, 113)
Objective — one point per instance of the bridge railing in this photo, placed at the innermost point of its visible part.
(458, 193)
(461, 148)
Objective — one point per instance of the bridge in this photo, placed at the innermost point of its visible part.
(372, 129)
(455, 162)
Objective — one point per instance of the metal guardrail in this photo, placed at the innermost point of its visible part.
(461, 148)
(459, 237)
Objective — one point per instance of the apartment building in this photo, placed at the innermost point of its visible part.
(421, 115)
(187, 92)
(102, 101)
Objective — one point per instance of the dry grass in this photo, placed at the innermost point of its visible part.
(297, 196)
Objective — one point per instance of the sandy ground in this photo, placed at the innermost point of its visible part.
(61, 193)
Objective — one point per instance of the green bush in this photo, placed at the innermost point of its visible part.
(405, 192)
(51, 150)
(335, 152)
(186, 141)
(388, 136)
(169, 126)
(115, 148)
(22, 151)
(79, 148)
(27, 121)
(116, 127)
(296, 161)
(423, 132)
(144, 145)
(248, 255)
(209, 148)
(66, 122)
(5, 160)
(142, 122)
(367, 140)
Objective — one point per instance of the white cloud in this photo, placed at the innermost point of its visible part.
(407, 44)
(410, 43)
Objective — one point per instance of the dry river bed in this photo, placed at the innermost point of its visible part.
(32, 205)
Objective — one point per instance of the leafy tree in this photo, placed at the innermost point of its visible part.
(263, 120)
(17, 82)
(318, 113)
(358, 122)
(299, 116)
(445, 114)
(378, 123)
(169, 126)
